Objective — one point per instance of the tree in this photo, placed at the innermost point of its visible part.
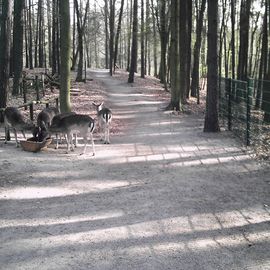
(184, 36)
(111, 42)
(5, 28)
(18, 44)
(244, 40)
(55, 37)
(134, 43)
(142, 41)
(196, 51)
(80, 29)
(163, 32)
(65, 56)
(211, 116)
(176, 102)
(118, 33)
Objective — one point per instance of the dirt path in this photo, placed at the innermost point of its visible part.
(163, 195)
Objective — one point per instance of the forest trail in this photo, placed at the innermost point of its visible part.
(163, 195)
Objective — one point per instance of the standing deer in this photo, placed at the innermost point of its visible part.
(104, 119)
(13, 119)
(73, 124)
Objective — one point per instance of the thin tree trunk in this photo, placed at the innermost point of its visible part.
(118, 31)
(30, 36)
(196, 52)
(18, 44)
(111, 43)
(134, 43)
(106, 35)
(142, 40)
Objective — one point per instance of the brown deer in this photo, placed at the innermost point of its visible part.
(13, 119)
(74, 124)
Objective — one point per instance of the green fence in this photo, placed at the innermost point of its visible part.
(244, 108)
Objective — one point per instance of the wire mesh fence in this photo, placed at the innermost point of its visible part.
(244, 108)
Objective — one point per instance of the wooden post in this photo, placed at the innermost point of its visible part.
(24, 92)
(31, 108)
(57, 103)
(43, 87)
(37, 88)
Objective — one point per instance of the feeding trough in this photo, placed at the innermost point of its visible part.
(31, 145)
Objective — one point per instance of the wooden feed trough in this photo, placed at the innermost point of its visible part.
(31, 145)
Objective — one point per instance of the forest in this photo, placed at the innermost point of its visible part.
(183, 43)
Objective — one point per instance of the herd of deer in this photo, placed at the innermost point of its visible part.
(51, 121)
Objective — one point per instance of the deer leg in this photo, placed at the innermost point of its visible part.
(16, 137)
(93, 144)
(85, 144)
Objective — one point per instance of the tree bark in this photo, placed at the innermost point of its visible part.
(5, 51)
(211, 115)
(18, 44)
(65, 56)
(134, 46)
(196, 52)
(118, 31)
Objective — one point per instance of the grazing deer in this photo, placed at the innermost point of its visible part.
(73, 124)
(13, 119)
(46, 116)
(44, 120)
(104, 120)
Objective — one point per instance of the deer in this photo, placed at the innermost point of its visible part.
(73, 124)
(56, 122)
(104, 119)
(44, 119)
(13, 119)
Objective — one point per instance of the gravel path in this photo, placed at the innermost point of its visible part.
(163, 195)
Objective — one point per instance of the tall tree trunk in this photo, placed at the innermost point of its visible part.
(5, 51)
(196, 52)
(40, 33)
(134, 43)
(118, 31)
(154, 39)
(129, 23)
(142, 40)
(111, 43)
(188, 56)
(106, 34)
(80, 29)
(31, 66)
(18, 44)
(244, 40)
(211, 115)
(176, 102)
(183, 48)
(26, 36)
(64, 55)
(233, 37)
(266, 67)
(164, 41)
(55, 37)
(49, 32)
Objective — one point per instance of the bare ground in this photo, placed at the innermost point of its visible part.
(163, 195)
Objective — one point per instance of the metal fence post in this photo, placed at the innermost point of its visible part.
(248, 100)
